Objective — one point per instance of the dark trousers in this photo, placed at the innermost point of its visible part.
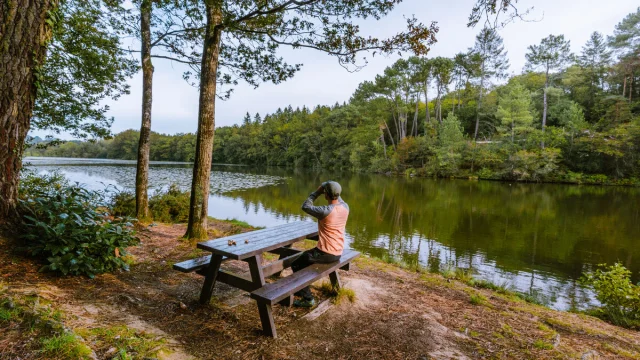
(309, 257)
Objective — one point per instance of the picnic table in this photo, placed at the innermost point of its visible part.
(250, 247)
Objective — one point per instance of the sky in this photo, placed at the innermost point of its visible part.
(322, 81)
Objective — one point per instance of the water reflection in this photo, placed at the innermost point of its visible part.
(538, 238)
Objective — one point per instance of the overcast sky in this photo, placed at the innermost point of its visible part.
(323, 81)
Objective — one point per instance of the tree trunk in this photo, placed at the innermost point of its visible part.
(414, 127)
(544, 108)
(142, 171)
(426, 102)
(197, 226)
(24, 36)
(475, 134)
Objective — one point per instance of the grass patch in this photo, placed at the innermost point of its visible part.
(239, 223)
(64, 346)
(338, 295)
(542, 345)
(477, 299)
(128, 342)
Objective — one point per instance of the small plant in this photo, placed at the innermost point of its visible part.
(542, 345)
(64, 346)
(338, 294)
(619, 297)
(477, 299)
(69, 228)
(129, 343)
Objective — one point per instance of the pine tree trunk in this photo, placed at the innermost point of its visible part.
(24, 35)
(475, 134)
(426, 102)
(544, 108)
(198, 211)
(142, 171)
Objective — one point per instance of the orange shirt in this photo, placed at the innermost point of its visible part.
(332, 221)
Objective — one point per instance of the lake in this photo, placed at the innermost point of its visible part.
(538, 238)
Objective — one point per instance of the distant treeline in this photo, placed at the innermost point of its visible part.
(179, 147)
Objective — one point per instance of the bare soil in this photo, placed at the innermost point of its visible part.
(397, 314)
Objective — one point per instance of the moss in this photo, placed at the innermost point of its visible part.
(621, 352)
(478, 299)
(542, 345)
(127, 341)
(65, 346)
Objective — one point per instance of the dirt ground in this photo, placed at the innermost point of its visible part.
(397, 314)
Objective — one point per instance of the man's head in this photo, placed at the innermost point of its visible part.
(332, 190)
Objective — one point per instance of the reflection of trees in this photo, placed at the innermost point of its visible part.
(550, 229)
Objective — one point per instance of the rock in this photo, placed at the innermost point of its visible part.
(183, 306)
(556, 341)
(112, 351)
(10, 304)
(590, 355)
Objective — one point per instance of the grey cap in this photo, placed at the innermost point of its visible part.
(332, 189)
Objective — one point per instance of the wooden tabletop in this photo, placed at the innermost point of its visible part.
(257, 242)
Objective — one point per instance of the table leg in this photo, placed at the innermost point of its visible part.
(282, 256)
(335, 280)
(210, 279)
(266, 315)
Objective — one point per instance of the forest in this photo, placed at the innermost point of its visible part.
(566, 118)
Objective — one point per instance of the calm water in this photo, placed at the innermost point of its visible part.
(537, 238)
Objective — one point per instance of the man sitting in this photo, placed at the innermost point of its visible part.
(332, 220)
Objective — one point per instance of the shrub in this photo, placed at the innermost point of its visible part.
(69, 227)
(619, 297)
(170, 206)
(165, 206)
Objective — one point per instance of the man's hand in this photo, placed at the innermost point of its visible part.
(320, 190)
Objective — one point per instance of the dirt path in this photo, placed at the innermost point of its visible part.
(396, 314)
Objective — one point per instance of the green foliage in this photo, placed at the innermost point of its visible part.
(169, 206)
(129, 343)
(619, 297)
(477, 299)
(68, 227)
(514, 112)
(85, 65)
(64, 346)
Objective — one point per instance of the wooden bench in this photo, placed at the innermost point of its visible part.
(283, 289)
(195, 264)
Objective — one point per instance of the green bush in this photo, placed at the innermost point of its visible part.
(69, 227)
(619, 297)
(170, 206)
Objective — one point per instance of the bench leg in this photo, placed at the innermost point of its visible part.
(210, 279)
(266, 317)
(280, 257)
(335, 280)
(288, 301)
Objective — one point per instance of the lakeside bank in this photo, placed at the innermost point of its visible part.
(152, 311)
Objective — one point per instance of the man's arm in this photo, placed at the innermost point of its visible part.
(319, 212)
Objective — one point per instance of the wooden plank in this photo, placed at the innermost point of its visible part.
(270, 241)
(194, 264)
(275, 292)
(285, 251)
(210, 279)
(279, 265)
(238, 281)
(256, 235)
